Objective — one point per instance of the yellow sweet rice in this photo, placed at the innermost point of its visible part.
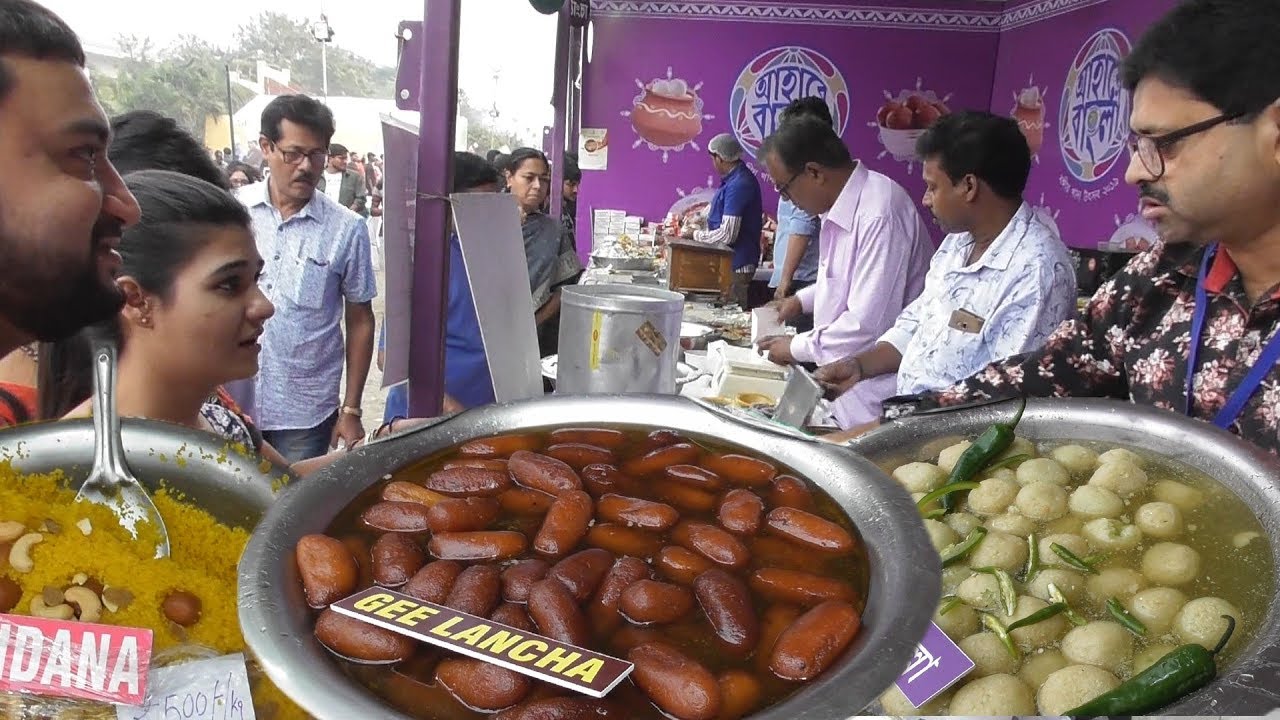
(202, 561)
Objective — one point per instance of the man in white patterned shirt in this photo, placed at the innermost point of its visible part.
(999, 284)
(319, 275)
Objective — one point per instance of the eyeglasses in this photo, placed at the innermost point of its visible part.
(293, 157)
(783, 190)
(1150, 149)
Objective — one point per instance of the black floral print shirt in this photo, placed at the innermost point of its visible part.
(1133, 340)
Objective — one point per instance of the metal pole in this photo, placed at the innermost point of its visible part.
(324, 68)
(574, 110)
(231, 117)
(559, 100)
(438, 99)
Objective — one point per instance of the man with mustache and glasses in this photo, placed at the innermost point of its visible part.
(62, 204)
(1189, 326)
(319, 275)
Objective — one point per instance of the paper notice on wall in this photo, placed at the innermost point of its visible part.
(593, 149)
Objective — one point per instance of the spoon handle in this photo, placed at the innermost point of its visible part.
(108, 449)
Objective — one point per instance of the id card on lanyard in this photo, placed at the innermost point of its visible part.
(1267, 359)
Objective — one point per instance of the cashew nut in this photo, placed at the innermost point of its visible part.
(80, 579)
(20, 553)
(57, 612)
(11, 530)
(85, 526)
(87, 601)
(115, 598)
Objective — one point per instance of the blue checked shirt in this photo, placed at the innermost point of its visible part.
(794, 221)
(1022, 287)
(316, 261)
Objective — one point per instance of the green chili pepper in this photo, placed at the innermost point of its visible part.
(964, 547)
(1011, 460)
(1038, 616)
(1094, 559)
(992, 623)
(1072, 616)
(949, 603)
(923, 502)
(1033, 558)
(1008, 594)
(1179, 673)
(1122, 616)
(1072, 559)
(989, 444)
(933, 514)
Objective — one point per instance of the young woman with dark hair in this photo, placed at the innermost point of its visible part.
(192, 316)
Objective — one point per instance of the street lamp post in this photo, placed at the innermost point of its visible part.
(231, 117)
(323, 33)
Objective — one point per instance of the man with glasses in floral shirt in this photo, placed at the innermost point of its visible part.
(1189, 326)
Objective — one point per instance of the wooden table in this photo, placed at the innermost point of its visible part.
(699, 267)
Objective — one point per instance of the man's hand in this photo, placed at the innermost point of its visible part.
(347, 431)
(777, 348)
(784, 289)
(788, 308)
(841, 374)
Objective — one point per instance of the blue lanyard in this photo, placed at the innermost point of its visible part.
(1266, 360)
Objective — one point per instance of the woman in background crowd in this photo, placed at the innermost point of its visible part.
(240, 174)
(551, 256)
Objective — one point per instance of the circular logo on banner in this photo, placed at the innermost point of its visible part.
(1093, 124)
(772, 80)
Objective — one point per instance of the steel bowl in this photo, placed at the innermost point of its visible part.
(639, 263)
(1251, 684)
(233, 487)
(278, 624)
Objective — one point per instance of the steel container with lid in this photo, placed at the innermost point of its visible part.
(617, 339)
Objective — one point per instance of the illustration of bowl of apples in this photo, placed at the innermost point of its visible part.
(904, 118)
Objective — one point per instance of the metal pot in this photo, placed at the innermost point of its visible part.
(234, 488)
(618, 339)
(278, 624)
(1248, 686)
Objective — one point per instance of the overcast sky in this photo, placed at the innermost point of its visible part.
(495, 33)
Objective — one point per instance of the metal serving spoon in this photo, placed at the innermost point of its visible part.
(110, 482)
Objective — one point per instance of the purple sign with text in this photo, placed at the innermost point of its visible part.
(937, 665)
(668, 76)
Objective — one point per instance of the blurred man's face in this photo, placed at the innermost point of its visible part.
(570, 190)
(62, 203)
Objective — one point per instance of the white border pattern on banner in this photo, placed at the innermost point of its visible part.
(1042, 10)
(790, 14)
(772, 11)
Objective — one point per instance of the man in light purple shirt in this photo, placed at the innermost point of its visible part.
(873, 255)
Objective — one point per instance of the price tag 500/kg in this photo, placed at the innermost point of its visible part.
(214, 689)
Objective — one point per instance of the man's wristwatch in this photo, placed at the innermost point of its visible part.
(353, 411)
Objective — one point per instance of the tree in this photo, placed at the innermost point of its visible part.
(286, 42)
(482, 136)
(186, 81)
